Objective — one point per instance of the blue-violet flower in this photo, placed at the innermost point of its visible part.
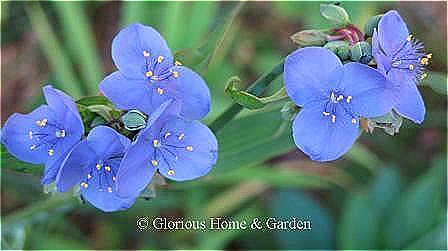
(94, 163)
(179, 149)
(147, 75)
(46, 134)
(333, 97)
(401, 59)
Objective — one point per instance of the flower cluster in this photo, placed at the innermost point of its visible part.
(111, 169)
(334, 97)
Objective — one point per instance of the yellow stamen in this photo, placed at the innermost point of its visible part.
(30, 134)
(85, 185)
(340, 98)
(107, 168)
(424, 61)
(349, 98)
(333, 118)
(89, 176)
(411, 67)
(51, 152)
(170, 172)
(167, 135)
(145, 54)
(149, 74)
(160, 91)
(155, 143)
(353, 121)
(181, 136)
(424, 75)
(32, 147)
(429, 55)
(326, 113)
(175, 74)
(189, 148)
(109, 189)
(410, 36)
(42, 122)
(98, 166)
(177, 63)
(160, 59)
(154, 162)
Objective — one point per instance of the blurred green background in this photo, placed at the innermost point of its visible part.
(386, 193)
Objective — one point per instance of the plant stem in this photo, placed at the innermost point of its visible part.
(257, 88)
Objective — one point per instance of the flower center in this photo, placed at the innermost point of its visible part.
(336, 103)
(102, 175)
(46, 135)
(156, 71)
(411, 57)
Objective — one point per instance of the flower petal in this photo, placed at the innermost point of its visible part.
(135, 171)
(128, 49)
(59, 102)
(321, 139)
(106, 142)
(409, 103)
(74, 166)
(307, 72)
(372, 93)
(15, 135)
(382, 60)
(189, 150)
(191, 90)
(127, 94)
(392, 32)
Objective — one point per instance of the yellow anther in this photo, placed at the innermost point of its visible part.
(411, 67)
(107, 168)
(333, 118)
(181, 136)
(51, 152)
(189, 148)
(353, 121)
(85, 185)
(424, 61)
(349, 98)
(175, 74)
(149, 74)
(326, 113)
(177, 63)
(424, 75)
(167, 134)
(160, 59)
(114, 178)
(30, 134)
(32, 147)
(160, 91)
(155, 143)
(109, 189)
(429, 55)
(171, 172)
(340, 98)
(410, 36)
(89, 176)
(154, 162)
(42, 122)
(145, 53)
(98, 166)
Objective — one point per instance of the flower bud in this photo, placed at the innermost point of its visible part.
(390, 123)
(134, 120)
(361, 52)
(335, 14)
(309, 37)
(340, 48)
(371, 25)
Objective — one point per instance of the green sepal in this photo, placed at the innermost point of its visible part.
(309, 38)
(335, 14)
(371, 25)
(390, 123)
(340, 48)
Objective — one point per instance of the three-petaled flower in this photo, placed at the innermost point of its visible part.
(46, 134)
(402, 59)
(94, 163)
(179, 149)
(333, 97)
(147, 75)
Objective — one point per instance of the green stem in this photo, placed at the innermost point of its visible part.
(279, 95)
(257, 88)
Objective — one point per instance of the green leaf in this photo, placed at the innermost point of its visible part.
(436, 81)
(94, 100)
(10, 162)
(289, 204)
